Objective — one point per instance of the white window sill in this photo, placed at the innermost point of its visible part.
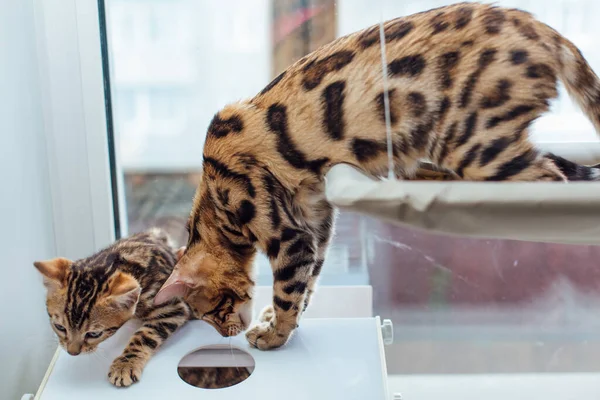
(563, 386)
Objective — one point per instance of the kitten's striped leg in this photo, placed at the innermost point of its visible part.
(293, 260)
(158, 325)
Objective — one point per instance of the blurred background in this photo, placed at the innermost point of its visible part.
(460, 306)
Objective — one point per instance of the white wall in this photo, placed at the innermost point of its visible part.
(26, 233)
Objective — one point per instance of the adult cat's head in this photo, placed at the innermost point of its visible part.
(213, 271)
(87, 300)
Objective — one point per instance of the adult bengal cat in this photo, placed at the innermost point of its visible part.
(466, 82)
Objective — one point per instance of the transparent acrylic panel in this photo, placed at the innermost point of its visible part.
(484, 306)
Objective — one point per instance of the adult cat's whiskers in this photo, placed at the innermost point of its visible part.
(233, 355)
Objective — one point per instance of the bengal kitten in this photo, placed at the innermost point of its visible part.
(88, 300)
(465, 83)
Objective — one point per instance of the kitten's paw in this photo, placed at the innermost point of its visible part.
(267, 314)
(124, 372)
(264, 336)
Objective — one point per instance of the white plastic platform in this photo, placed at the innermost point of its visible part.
(326, 359)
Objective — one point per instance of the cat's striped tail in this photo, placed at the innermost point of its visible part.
(574, 171)
(579, 78)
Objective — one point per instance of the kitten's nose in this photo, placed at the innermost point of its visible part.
(74, 349)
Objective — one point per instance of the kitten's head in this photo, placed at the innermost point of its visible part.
(212, 272)
(86, 304)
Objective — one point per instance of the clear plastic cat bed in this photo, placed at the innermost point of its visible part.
(321, 361)
(533, 211)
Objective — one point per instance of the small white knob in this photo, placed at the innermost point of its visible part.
(397, 396)
(27, 397)
(387, 332)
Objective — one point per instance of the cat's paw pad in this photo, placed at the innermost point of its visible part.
(264, 336)
(124, 372)
(267, 314)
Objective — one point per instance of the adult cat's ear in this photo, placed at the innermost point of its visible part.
(124, 290)
(54, 272)
(177, 285)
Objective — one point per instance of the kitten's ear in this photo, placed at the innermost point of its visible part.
(124, 290)
(176, 286)
(180, 252)
(54, 272)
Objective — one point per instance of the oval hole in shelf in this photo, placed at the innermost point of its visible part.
(215, 367)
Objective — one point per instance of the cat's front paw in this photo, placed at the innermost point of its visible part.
(124, 372)
(264, 336)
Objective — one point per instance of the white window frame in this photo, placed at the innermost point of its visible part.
(71, 77)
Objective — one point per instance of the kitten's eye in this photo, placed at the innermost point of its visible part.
(60, 327)
(93, 335)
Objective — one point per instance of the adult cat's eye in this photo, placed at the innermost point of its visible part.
(60, 327)
(93, 335)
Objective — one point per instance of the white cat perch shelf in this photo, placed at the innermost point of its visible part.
(535, 211)
(331, 359)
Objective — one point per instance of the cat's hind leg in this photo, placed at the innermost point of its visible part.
(527, 167)
(505, 158)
